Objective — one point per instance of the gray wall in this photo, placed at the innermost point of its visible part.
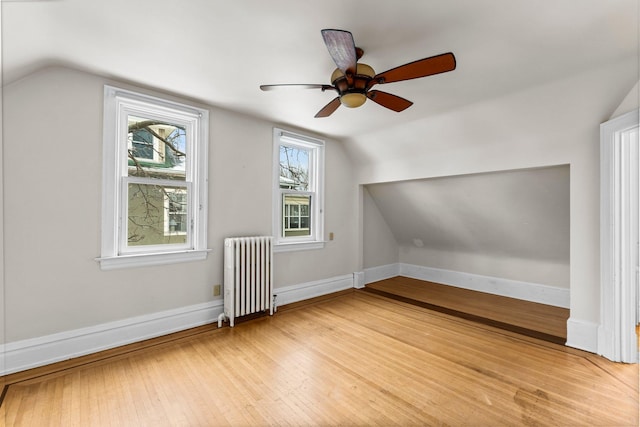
(52, 169)
(511, 224)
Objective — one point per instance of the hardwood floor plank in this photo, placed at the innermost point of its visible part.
(540, 320)
(357, 359)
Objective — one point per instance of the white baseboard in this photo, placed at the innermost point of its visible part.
(31, 353)
(304, 291)
(382, 272)
(582, 335)
(26, 354)
(358, 280)
(534, 292)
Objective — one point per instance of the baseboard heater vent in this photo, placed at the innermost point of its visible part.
(248, 277)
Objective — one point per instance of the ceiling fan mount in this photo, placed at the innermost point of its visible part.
(353, 81)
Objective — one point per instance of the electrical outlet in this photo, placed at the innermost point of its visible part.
(216, 290)
(331, 236)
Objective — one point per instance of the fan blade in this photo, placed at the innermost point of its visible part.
(420, 68)
(389, 101)
(296, 86)
(328, 109)
(342, 49)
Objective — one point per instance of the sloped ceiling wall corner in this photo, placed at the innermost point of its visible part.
(509, 224)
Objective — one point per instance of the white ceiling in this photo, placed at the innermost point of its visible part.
(219, 52)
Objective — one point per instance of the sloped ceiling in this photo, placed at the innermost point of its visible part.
(520, 213)
(219, 52)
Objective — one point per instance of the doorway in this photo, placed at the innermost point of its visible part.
(619, 238)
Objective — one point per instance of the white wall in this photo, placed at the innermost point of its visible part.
(52, 169)
(542, 272)
(2, 300)
(557, 123)
(630, 102)
(340, 255)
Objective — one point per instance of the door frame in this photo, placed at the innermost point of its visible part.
(619, 235)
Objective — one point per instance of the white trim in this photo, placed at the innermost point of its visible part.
(290, 247)
(619, 192)
(582, 335)
(118, 103)
(527, 291)
(358, 279)
(375, 274)
(317, 173)
(31, 353)
(2, 242)
(304, 291)
(146, 260)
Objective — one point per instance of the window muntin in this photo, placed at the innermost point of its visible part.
(298, 191)
(154, 193)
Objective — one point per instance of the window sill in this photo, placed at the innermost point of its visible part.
(298, 246)
(144, 260)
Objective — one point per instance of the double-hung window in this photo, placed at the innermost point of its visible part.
(298, 199)
(154, 180)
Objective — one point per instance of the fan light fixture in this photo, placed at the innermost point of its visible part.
(353, 100)
(353, 95)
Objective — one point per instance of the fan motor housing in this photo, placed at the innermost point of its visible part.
(356, 83)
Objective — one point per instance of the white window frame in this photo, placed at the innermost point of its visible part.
(316, 189)
(118, 105)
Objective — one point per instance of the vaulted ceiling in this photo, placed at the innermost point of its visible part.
(220, 52)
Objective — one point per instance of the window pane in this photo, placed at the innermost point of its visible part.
(156, 215)
(142, 145)
(156, 149)
(175, 211)
(294, 168)
(296, 218)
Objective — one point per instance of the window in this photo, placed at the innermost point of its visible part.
(154, 181)
(298, 196)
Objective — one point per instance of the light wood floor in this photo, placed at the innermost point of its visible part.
(529, 318)
(354, 359)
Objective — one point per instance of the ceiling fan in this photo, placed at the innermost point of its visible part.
(353, 81)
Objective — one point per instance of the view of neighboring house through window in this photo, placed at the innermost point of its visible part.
(157, 211)
(298, 194)
(154, 193)
(294, 182)
(175, 212)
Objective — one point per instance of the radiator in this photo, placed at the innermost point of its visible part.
(248, 277)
